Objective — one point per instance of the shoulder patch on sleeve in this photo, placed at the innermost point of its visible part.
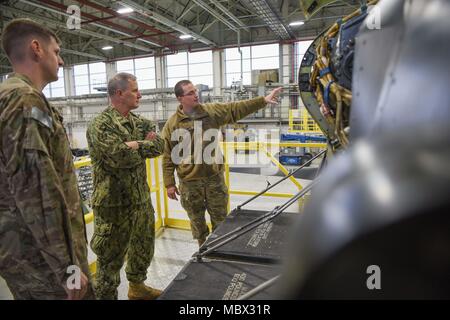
(42, 117)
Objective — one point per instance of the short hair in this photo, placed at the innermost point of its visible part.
(179, 92)
(18, 31)
(119, 82)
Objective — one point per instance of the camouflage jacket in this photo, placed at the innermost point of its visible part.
(40, 212)
(119, 171)
(212, 116)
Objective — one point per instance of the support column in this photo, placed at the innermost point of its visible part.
(161, 76)
(161, 82)
(111, 70)
(218, 71)
(69, 81)
(286, 62)
(286, 78)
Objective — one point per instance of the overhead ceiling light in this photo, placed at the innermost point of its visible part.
(107, 48)
(125, 10)
(297, 23)
(185, 36)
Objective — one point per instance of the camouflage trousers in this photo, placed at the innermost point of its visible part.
(121, 232)
(40, 285)
(204, 194)
(23, 267)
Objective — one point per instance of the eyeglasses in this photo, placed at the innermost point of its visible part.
(191, 93)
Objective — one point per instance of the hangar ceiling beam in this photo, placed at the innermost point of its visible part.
(166, 21)
(62, 26)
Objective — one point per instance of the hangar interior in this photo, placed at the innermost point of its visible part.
(229, 40)
(231, 50)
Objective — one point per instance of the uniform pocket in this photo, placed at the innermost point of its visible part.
(103, 229)
(184, 197)
(100, 240)
(217, 185)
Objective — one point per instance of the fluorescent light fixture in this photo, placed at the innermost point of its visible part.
(125, 10)
(107, 48)
(185, 36)
(296, 23)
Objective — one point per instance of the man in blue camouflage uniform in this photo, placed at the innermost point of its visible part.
(119, 142)
(42, 231)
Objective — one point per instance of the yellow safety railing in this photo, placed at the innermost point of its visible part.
(301, 121)
(89, 217)
(154, 181)
(258, 146)
(156, 188)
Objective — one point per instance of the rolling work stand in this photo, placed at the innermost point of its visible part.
(242, 257)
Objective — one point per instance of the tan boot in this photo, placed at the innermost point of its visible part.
(139, 291)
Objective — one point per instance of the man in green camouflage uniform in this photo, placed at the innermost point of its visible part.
(202, 185)
(42, 231)
(119, 142)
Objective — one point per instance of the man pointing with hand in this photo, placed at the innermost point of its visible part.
(202, 185)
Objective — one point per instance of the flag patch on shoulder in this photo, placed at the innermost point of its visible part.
(42, 117)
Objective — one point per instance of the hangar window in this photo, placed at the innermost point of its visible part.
(90, 78)
(200, 68)
(265, 57)
(97, 77)
(142, 68)
(125, 66)
(195, 66)
(260, 57)
(177, 68)
(56, 89)
(233, 65)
